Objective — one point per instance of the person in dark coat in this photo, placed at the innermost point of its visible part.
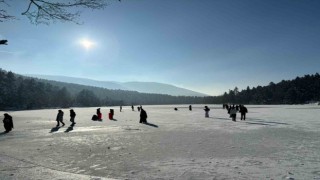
(7, 122)
(120, 108)
(132, 107)
(228, 109)
(243, 111)
(72, 116)
(143, 116)
(190, 108)
(60, 118)
(206, 109)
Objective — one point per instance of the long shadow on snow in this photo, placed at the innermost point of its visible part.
(3, 133)
(254, 121)
(267, 122)
(150, 124)
(225, 119)
(70, 128)
(55, 129)
(257, 123)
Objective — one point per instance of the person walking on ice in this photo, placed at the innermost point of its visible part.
(206, 109)
(60, 118)
(72, 116)
(233, 113)
(143, 116)
(243, 111)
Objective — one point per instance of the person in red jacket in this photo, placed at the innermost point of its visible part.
(99, 114)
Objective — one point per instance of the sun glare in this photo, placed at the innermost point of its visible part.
(87, 44)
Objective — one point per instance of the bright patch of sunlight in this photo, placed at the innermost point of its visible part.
(87, 44)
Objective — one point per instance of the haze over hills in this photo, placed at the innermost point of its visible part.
(143, 87)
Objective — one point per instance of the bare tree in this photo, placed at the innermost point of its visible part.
(3, 13)
(50, 11)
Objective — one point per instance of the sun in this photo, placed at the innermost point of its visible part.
(87, 44)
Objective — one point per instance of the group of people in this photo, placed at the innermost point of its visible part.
(59, 118)
(97, 116)
(143, 114)
(232, 110)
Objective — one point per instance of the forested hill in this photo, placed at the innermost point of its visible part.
(301, 90)
(18, 92)
(143, 87)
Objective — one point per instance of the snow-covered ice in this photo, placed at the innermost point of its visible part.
(275, 142)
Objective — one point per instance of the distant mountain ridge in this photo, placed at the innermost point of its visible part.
(143, 87)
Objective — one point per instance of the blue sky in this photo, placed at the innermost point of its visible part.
(209, 46)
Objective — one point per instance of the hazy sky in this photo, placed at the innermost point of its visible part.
(209, 46)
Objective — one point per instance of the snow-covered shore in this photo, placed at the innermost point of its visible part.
(275, 142)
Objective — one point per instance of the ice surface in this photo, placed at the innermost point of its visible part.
(275, 142)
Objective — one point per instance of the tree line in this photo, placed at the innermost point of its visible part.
(19, 92)
(300, 90)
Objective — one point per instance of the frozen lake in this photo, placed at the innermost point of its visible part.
(275, 142)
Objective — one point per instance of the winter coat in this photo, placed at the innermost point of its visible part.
(243, 110)
(143, 114)
(233, 111)
(72, 114)
(7, 122)
(60, 116)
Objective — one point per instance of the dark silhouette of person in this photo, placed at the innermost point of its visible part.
(132, 107)
(94, 117)
(60, 118)
(7, 122)
(120, 108)
(206, 109)
(4, 42)
(143, 116)
(233, 113)
(237, 107)
(243, 111)
(99, 114)
(228, 107)
(138, 108)
(190, 108)
(176, 109)
(72, 116)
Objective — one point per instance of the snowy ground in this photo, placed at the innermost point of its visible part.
(275, 142)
